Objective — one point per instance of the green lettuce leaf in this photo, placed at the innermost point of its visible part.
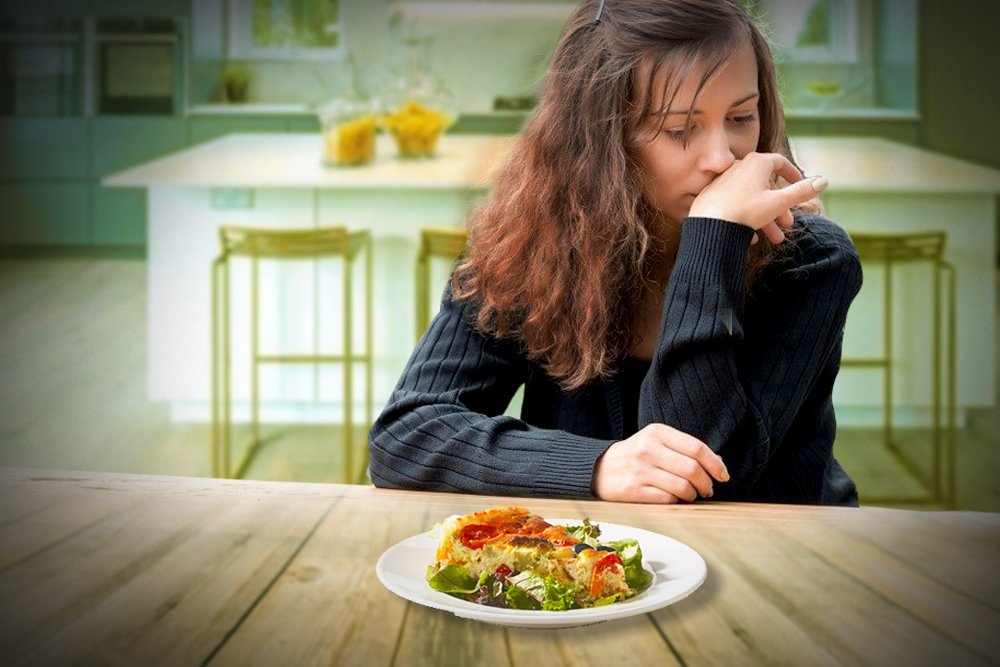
(525, 591)
(630, 553)
(588, 532)
(557, 596)
(452, 579)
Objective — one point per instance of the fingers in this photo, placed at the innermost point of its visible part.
(692, 447)
(783, 167)
(758, 191)
(799, 189)
(802, 191)
(685, 477)
(657, 464)
(773, 233)
(654, 494)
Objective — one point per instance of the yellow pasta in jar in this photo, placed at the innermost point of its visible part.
(352, 142)
(416, 128)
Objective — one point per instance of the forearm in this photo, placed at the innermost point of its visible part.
(418, 443)
(738, 391)
(444, 428)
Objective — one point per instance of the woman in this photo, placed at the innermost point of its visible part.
(631, 270)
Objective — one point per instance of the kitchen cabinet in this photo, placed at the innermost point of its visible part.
(146, 8)
(123, 141)
(303, 124)
(60, 8)
(44, 213)
(50, 171)
(43, 181)
(118, 217)
(43, 148)
(206, 128)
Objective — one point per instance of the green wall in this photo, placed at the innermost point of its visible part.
(960, 78)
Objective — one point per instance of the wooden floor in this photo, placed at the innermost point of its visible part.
(73, 396)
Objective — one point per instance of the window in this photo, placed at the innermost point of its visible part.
(836, 56)
(285, 29)
(821, 31)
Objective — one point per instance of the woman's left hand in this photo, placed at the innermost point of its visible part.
(745, 194)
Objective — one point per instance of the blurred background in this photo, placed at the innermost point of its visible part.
(131, 132)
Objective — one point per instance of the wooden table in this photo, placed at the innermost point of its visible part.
(124, 569)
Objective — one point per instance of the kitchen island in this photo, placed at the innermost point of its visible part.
(278, 180)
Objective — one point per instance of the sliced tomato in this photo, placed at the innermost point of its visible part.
(557, 536)
(536, 525)
(609, 562)
(475, 535)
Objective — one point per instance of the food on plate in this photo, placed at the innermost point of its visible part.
(508, 557)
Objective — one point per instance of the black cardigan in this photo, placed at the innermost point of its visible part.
(750, 374)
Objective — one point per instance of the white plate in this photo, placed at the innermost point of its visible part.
(677, 570)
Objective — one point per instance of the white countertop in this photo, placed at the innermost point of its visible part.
(294, 160)
(864, 164)
(466, 161)
(302, 109)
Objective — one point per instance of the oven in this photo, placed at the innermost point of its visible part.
(140, 66)
(41, 67)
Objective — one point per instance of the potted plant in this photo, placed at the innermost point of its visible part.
(235, 81)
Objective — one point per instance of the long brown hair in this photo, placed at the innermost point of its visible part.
(559, 253)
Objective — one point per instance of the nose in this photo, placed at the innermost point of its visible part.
(717, 152)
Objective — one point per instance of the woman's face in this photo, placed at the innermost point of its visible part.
(724, 128)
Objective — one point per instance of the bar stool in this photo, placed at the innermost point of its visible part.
(257, 244)
(443, 243)
(890, 250)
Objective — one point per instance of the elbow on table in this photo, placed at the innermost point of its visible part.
(395, 459)
(383, 449)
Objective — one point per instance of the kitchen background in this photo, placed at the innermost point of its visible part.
(89, 88)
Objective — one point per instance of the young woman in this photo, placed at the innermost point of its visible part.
(631, 269)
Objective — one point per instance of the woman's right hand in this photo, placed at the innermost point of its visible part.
(747, 194)
(659, 464)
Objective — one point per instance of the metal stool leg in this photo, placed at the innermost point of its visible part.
(216, 380)
(936, 451)
(227, 415)
(255, 353)
(348, 375)
(888, 356)
(422, 305)
(952, 493)
(256, 244)
(369, 353)
(939, 485)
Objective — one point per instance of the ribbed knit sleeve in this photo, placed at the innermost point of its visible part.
(443, 428)
(741, 396)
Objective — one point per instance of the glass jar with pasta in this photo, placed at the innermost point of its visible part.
(418, 109)
(348, 126)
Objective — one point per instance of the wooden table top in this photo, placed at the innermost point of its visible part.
(104, 568)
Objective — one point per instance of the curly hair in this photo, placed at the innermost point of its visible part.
(559, 253)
